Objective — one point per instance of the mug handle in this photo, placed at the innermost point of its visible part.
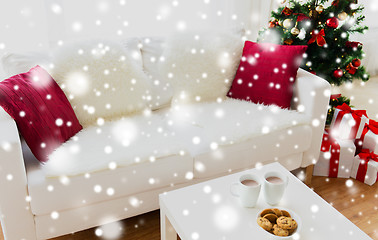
(233, 187)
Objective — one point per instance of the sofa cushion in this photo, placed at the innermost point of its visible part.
(132, 46)
(266, 73)
(101, 80)
(42, 112)
(119, 143)
(201, 66)
(228, 122)
(152, 53)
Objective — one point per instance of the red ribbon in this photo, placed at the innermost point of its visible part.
(356, 114)
(328, 144)
(318, 37)
(371, 126)
(366, 156)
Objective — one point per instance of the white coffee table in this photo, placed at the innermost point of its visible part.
(207, 211)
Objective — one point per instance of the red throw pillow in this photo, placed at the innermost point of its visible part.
(266, 73)
(42, 112)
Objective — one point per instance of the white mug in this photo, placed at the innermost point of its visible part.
(247, 189)
(275, 184)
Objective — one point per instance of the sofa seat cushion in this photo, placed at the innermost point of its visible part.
(119, 143)
(101, 175)
(228, 122)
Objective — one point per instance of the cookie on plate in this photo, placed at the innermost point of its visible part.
(264, 223)
(279, 231)
(266, 211)
(271, 217)
(286, 223)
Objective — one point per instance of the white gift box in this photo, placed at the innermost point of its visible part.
(346, 126)
(371, 174)
(347, 150)
(370, 141)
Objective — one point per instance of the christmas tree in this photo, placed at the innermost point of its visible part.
(326, 31)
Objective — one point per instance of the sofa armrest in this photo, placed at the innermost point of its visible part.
(14, 204)
(311, 96)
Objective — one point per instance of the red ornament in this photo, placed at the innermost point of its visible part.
(351, 69)
(338, 73)
(332, 22)
(272, 24)
(317, 36)
(356, 62)
(287, 11)
(313, 72)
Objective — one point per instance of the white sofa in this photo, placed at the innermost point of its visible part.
(103, 187)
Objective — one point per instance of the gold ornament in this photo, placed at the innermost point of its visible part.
(319, 9)
(295, 31)
(342, 16)
(287, 23)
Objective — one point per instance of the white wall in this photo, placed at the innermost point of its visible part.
(39, 24)
(120, 18)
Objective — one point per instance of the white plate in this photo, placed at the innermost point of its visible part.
(296, 233)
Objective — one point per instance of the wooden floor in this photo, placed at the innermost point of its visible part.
(359, 203)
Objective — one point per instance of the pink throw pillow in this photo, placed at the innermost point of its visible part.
(266, 73)
(42, 112)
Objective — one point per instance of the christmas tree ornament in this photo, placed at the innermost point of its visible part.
(335, 3)
(301, 17)
(319, 9)
(338, 73)
(302, 34)
(288, 41)
(295, 31)
(318, 36)
(351, 69)
(332, 22)
(287, 23)
(272, 24)
(313, 14)
(287, 11)
(356, 62)
(342, 16)
(350, 44)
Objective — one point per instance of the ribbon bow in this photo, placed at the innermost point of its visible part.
(318, 36)
(355, 113)
(372, 126)
(367, 156)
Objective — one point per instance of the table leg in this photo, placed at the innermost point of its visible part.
(166, 228)
(309, 171)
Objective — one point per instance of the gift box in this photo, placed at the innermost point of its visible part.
(369, 137)
(336, 157)
(348, 123)
(365, 167)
